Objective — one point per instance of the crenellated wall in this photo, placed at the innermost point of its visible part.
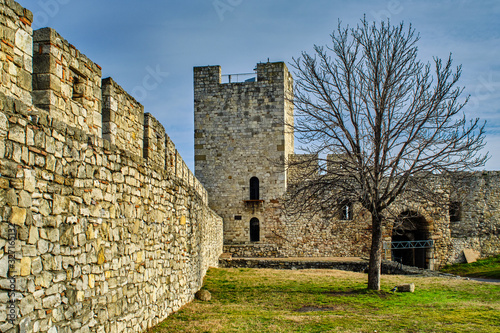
(16, 51)
(122, 118)
(154, 141)
(103, 228)
(65, 82)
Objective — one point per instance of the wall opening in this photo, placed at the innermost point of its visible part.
(455, 211)
(411, 226)
(254, 188)
(346, 211)
(254, 230)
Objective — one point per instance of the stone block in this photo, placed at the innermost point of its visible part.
(471, 255)
(25, 269)
(52, 301)
(407, 288)
(17, 134)
(4, 266)
(18, 216)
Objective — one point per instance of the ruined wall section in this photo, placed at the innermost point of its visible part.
(122, 117)
(240, 134)
(66, 83)
(16, 51)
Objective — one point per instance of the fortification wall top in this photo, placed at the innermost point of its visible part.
(65, 82)
(48, 74)
(122, 118)
(16, 51)
(208, 78)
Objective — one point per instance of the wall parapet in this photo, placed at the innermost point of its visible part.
(65, 82)
(122, 117)
(16, 51)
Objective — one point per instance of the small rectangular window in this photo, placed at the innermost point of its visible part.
(237, 217)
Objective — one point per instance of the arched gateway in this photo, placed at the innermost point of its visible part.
(411, 243)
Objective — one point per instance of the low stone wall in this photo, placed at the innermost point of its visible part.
(252, 250)
(353, 266)
(92, 238)
(388, 267)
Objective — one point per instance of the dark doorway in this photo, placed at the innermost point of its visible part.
(254, 230)
(410, 226)
(254, 188)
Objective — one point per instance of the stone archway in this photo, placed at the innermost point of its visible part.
(411, 226)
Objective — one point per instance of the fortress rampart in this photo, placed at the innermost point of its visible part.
(103, 228)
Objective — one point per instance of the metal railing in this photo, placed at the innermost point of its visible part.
(243, 77)
(419, 244)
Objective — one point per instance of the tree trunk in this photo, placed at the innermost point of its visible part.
(375, 254)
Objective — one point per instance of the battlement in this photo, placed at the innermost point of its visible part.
(49, 74)
(65, 82)
(16, 51)
(208, 78)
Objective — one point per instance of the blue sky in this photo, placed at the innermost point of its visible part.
(159, 42)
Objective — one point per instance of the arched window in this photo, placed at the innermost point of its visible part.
(254, 230)
(346, 213)
(254, 188)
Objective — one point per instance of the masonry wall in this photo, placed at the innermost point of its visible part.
(94, 236)
(16, 51)
(323, 235)
(479, 225)
(240, 133)
(122, 117)
(66, 83)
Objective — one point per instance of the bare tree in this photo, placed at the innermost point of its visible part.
(380, 122)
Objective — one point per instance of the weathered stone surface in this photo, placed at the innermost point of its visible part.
(25, 266)
(18, 216)
(4, 266)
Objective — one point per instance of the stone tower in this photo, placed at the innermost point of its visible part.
(241, 142)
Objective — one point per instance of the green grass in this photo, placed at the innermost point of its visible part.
(264, 300)
(484, 268)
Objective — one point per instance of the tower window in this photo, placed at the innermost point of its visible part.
(254, 188)
(254, 230)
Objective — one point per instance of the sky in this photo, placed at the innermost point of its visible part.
(150, 47)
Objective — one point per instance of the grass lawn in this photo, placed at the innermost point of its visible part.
(484, 268)
(265, 300)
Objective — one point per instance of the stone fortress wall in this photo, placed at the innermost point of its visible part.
(103, 228)
(240, 134)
